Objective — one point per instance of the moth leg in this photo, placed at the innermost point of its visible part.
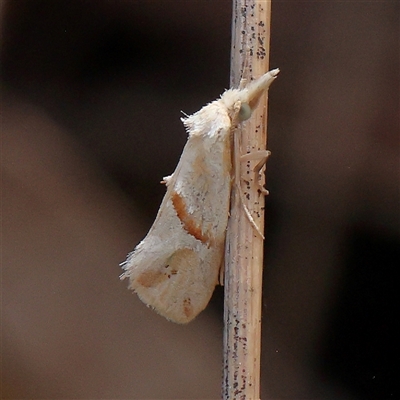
(261, 155)
(221, 273)
(166, 180)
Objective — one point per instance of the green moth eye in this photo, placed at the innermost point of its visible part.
(244, 112)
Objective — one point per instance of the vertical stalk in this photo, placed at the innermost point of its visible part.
(244, 247)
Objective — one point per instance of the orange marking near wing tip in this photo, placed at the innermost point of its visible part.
(187, 307)
(189, 224)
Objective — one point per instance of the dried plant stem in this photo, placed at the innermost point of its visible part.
(244, 249)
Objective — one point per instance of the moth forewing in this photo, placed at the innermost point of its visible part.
(176, 266)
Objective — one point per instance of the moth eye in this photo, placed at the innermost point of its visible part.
(244, 112)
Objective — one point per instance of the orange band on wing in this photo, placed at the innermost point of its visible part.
(189, 224)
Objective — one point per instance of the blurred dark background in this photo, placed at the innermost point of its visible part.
(91, 94)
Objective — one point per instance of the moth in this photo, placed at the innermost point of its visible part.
(176, 267)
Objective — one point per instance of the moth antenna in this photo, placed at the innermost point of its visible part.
(243, 83)
(237, 183)
(247, 212)
(246, 68)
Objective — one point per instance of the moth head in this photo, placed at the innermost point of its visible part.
(250, 96)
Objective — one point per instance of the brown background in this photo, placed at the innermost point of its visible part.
(91, 100)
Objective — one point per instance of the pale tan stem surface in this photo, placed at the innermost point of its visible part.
(244, 248)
